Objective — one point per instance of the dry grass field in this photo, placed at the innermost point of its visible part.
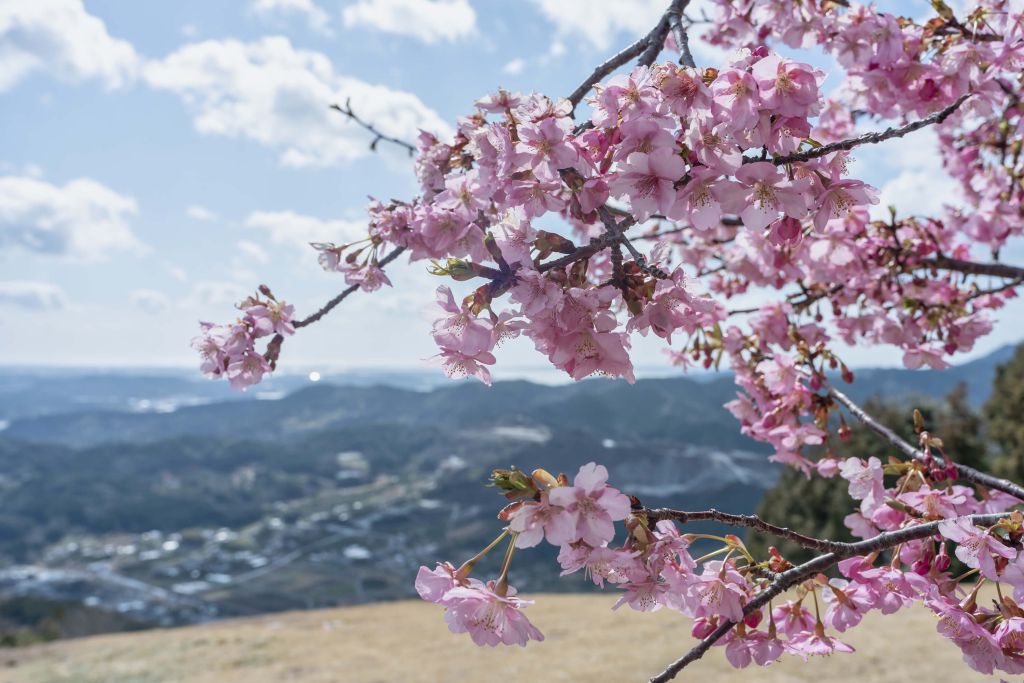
(408, 642)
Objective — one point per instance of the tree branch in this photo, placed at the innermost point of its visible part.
(965, 472)
(646, 48)
(330, 305)
(867, 138)
(792, 577)
(597, 244)
(748, 521)
(675, 23)
(655, 41)
(377, 135)
(615, 230)
(605, 68)
(973, 268)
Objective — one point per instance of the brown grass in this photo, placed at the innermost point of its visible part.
(408, 642)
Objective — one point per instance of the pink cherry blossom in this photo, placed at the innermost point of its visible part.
(461, 331)
(767, 194)
(535, 520)
(434, 584)
(648, 181)
(975, 548)
(590, 506)
(813, 644)
(489, 618)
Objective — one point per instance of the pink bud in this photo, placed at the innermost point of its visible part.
(702, 628)
(942, 560)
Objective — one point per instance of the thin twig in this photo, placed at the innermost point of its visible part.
(312, 318)
(378, 136)
(747, 521)
(867, 138)
(615, 230)
(965, 472)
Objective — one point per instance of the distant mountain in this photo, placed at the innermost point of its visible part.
(32, 392)
(93, 409)
(898, 383)
(334, 494)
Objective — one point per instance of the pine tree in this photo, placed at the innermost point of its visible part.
(1004, 415)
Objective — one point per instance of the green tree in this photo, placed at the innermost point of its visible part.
(1004, 415)
(817, 506)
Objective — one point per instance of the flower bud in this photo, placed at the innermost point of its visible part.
(515, 483)
(942, 560)
(553, 242)
(845, 433)
(544, 478)
(702, 628)
(778, 563)
(457, 269)
(460, 270)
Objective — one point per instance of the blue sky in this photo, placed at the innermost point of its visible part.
(160, 159)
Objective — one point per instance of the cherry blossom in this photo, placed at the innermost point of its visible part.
(589, 506)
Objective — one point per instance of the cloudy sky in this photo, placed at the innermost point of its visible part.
(160, 159)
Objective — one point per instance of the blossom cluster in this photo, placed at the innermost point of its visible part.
(884, 282)
(230, 350)
(731, 155)
(667, 141)
(654, 568)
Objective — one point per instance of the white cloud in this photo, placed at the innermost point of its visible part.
(515, 67)
(60, 37)
(83, 219)
(908, 172)
(426, 20)
(298, 230)
(31, 295)
(213, 294)
(279, 96)
(599, 21)
(917, 192)
(177, 272)
(200, 213)
(149, 300)
(253, 251)
(317, 19)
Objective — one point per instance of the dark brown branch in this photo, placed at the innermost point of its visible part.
(377, 135)
(606, 68)
(646, 48)
(329, 306)
(747, 521)
(867, 138)
(615, 230)
(597, 244)
(792, 577)
(973, 268)
(655, 42)
(964, 472)
(675, 24)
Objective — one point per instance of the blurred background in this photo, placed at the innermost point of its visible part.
(160, 160)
